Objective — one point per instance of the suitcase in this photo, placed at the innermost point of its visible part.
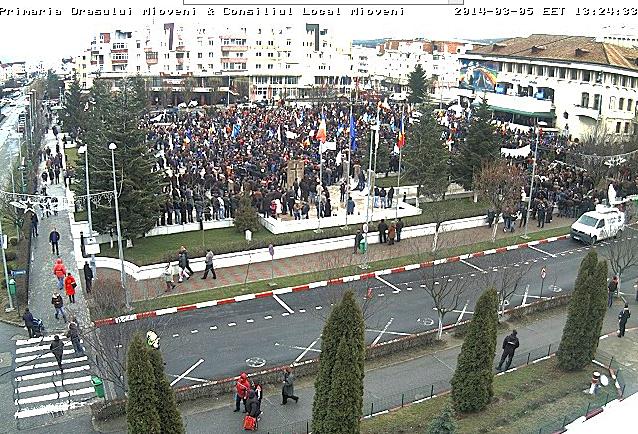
(250, 423)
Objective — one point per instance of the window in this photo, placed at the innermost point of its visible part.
(271, 43)
(200, 55)
(562, 72)
(200, 66)
(630, 105)
(519, 68)
(627, 127)
(211, 42)
(271, 54)
(597, 100)
(586, 75)
(551, 71)
(617, 127)
(270, 66)
(258, 42)
(138, 46)
(612, 103)
(614, 79)
(257, 66)
(258, 54)
(291, 80)
(288, 42)
(211, 54)
(139, 68)
(621, 103)
(632, 82)
(287, 66)
(623, 81)
(584, 99)
(120, 56)
(118, 45)
(530, 69)
(510, 67)
(573, 74)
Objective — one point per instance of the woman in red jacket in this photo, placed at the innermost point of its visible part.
(69, 287)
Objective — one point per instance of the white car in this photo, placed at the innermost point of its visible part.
(593, 226)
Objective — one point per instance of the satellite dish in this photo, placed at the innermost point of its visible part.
(18, 205)
(604, 380)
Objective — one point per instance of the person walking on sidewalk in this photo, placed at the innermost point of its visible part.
(34, 224)
(69, 287)
(612, 288)
(183, 265)
(392, 233)
(510, 344)
(209, 264)
(168, 277)
(28, 322)
(623, 316)
(59, 270)
(58, 304)
(57, 348)
(288, 388)
(54, 238)
(185, 253)
(88, 277)
(383, 231)
(242, 386)
(74, 334)
(400, 225)
(357, 240)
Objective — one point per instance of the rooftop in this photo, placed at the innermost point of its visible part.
(582, 49)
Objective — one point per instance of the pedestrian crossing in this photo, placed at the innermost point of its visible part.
(40, 388)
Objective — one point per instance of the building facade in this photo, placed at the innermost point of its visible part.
(573, 83)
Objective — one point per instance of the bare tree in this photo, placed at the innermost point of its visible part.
(507, 281)
(622, 254)
(501, 184)
(189, 84)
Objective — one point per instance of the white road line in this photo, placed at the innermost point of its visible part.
(232, 324)
(47, 355)
(50, 364)
(285, 314)
(176, 335)
(382, 332)
(36, 348)
(409, 288)
(200, 380)
(318, 307)
(250, 321)
(463, 312)
(49, 409)
(525, 296)
(51, 373)
(305, 351)
(268, 317)
(296, 347)
(61, 383)
(457, 311)
(389, 333)
(302, 310)
(535, 296)
(194, 331)
(473, 266)
(281, 302)
(54, 396)
(188, 371)
(385, 282)
(213, 327)
(541, 251)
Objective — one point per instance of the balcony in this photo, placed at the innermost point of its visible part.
(588, 112)
(151, 61)
(524, 105)
(119, 61)
(234, 48)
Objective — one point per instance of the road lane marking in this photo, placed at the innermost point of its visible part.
(318, 307)
(296, 347)
(281, 302)
(305, 351)
(50, 385)
(200, 380)
(52, 373)
(54, 396)
(194, 331)
(382, 332)
(285, 314)
(302, 310)
(176, 335)
(188, 371)
(268, 317)
(390, 333)
(542, 251)
(525, 296)
(385, 282)
(213, 327)
(250, 321)
(462, 312)
(232, 324)
(473, 266)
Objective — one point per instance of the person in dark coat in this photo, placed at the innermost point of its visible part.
(28, 322)
(88, 277)
(399, 225)
(288, 388)
(510, 344)
(57, 348)
(74, 335)
(383, 232)
(612, 288)
(357, 240)
(252, 405)
(623, 316)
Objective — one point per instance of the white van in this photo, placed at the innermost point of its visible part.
(605, 222)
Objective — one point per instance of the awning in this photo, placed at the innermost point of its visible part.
(548, 115)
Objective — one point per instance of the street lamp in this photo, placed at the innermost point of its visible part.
(113, 147)
(85, 150)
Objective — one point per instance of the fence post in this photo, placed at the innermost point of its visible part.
(307, 427)
(588, 407)
(549, 350)
(528, 356)
(564, 421)
(622, 391)
(610, 362)
(371, 408)
(607, 398)
(432, 391)
(402, 396)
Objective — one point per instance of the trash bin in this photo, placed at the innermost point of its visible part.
(362, 246)
(98, 386)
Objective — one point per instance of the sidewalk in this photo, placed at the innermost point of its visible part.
(435, 368)
(42, 282)
(318, 262)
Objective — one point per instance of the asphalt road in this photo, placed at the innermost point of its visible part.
(222, 341)
(9, 138)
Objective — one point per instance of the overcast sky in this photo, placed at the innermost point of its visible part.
(49, 38)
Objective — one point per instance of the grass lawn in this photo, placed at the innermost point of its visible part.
(525, 400)
(151, 250)
(299, 279)
(391, 181)
(72, 156)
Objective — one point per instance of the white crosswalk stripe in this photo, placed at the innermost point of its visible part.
(41, 389)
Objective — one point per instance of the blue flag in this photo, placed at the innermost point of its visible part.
(353, 134)
(236, 130)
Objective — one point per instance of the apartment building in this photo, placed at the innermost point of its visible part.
(573, 83)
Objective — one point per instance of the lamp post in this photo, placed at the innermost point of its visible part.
(113, 147)
(85, 150)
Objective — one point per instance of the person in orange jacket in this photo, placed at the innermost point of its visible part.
(69, 287)
(59, 270)
(242, 387)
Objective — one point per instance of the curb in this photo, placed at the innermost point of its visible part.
(307, 287)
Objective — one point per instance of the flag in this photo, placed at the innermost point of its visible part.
(353, 134)
(401, 138)
(340, 129)
(327, 146)
(321, 132)
(236, 130)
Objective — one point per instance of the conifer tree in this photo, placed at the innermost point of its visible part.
(472, 387)
(141, 406)
(73, 114)
(169, 416)
(597, 305)
(417, 84)
(246, 216)
(444, 423)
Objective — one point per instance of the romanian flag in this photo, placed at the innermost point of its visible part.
(321, 132)
(401, 138)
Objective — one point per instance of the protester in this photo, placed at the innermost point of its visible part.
(383, 231)
(623, 316)
(242, 386)
(288, 388)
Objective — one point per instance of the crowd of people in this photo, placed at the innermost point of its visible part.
(209, 157)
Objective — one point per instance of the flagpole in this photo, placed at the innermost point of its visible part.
(349, 160)
(370, 186)
(320, 177)
(400, 154)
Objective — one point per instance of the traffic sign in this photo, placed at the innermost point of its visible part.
(543, 273)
